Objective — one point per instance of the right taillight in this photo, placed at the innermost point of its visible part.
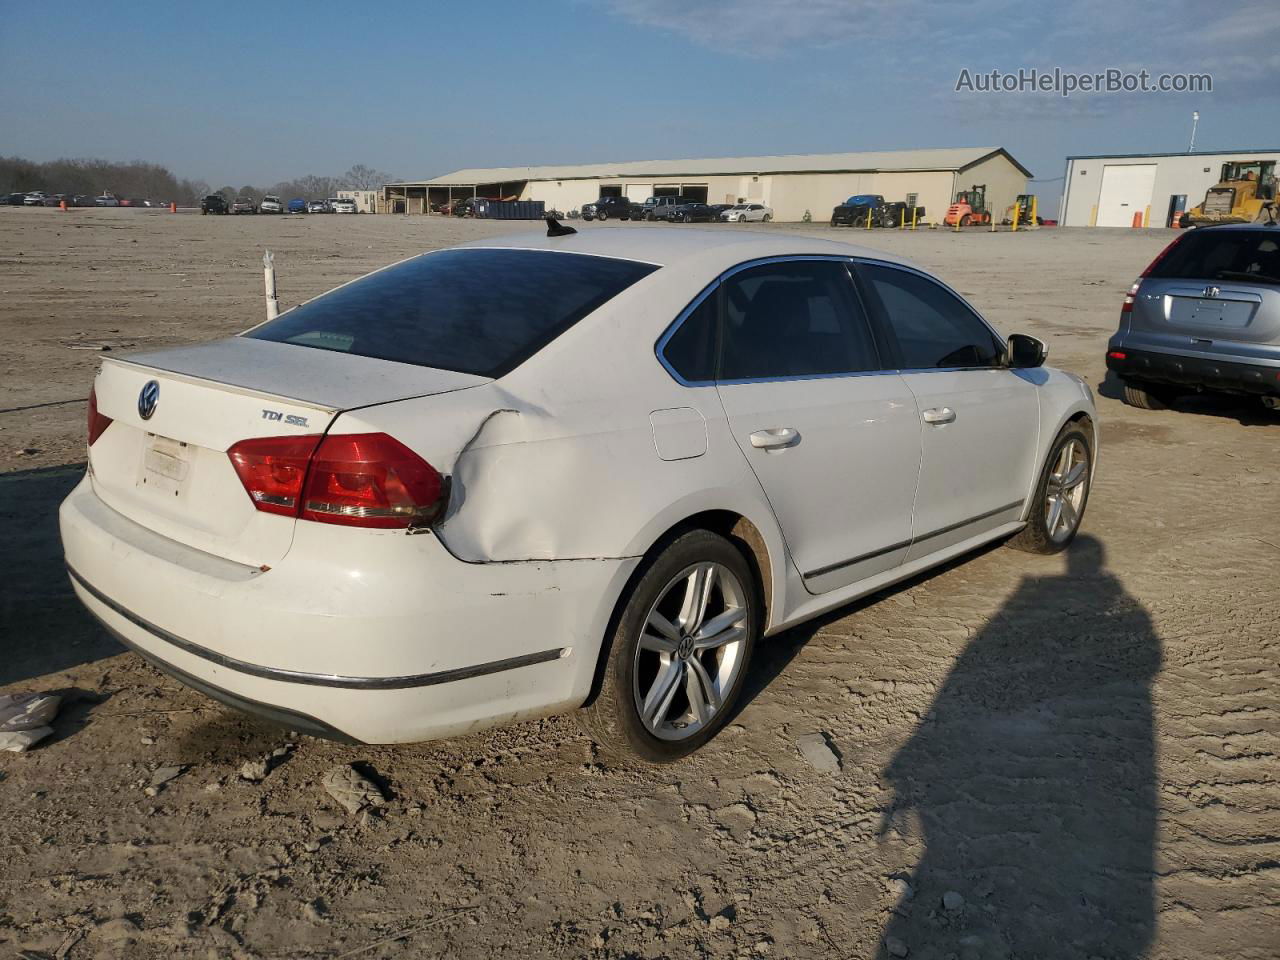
(98, 422)
(360, 480)
(273, 469)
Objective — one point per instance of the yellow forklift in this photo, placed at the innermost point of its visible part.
(1242, 194)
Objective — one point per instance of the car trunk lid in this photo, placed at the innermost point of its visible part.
(163, 463)
(1203, 313)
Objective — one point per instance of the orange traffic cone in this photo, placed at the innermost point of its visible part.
(173, 208)
(62, 205)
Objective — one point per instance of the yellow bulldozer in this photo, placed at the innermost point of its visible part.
(1245, 193)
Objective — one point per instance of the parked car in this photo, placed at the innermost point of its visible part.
(244, 205)
(15, 199)
(659, 208)
(297, 205)
(271, 204)
(1204, 316)
(82, 200)
(106, 200)
(343, 205)
(618, 208)
(719, 208)
(693, 213)
(742, 212)
(54, 200)
(317, 206)
(249, 513)
(33, 199)
(214, 203)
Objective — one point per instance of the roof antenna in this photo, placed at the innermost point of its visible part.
(556, 229)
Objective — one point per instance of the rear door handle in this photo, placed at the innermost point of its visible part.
(775, 438)
(939, 415)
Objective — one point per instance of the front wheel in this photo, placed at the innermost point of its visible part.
(602, 215)
(1061, 495)
(679, 653)
(688, 218)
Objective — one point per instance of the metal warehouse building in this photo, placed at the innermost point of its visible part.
(1106, 191)
(790, 185)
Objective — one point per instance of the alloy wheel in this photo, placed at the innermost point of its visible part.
(690, 651)
(1065, 491)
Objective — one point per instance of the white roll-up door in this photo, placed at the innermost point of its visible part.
(1126, 190)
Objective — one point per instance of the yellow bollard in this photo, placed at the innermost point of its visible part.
(868, 218)
(1093, 216)
(1035, 210)
(914, 212)
(902, 220)
(1017, 209)
(1146, 216)
(958, 218)
(993, 223)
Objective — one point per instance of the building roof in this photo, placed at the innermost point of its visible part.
(1152, 156)
(889, 161)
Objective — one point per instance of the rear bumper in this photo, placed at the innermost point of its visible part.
(375, 639)
(1227, 376)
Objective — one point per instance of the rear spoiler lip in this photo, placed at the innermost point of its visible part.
(227, 385)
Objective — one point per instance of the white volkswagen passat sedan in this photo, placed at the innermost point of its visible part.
(539, 473)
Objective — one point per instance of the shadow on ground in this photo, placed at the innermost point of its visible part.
(1247, 411)
(44, 628)
(1032, 781)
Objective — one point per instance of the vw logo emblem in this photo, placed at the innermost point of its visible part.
(1212, 291)
(148, 397)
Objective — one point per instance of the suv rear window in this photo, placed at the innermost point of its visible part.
(482, 312)
(1245, 255)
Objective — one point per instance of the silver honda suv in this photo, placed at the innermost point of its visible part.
(1204, 316)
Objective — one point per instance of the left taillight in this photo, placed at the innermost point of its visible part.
(360, 480)
(98, 422)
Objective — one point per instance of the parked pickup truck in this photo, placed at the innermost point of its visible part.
(659, 208)
(214, 203)
(853, 212)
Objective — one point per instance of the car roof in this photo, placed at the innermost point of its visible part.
(1216, 227)
(712, 249)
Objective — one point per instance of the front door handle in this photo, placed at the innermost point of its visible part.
(775, 438)
(939, 415)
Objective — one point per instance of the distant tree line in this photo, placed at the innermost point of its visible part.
(153, 182)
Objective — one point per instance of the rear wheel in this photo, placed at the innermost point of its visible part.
(1061, 495)
(768, 217)
(1147, 397)
(679, 653)
(965, 220)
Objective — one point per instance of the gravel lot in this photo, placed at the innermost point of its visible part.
(1072, 756)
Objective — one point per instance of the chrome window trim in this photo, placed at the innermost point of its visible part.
(852, 260)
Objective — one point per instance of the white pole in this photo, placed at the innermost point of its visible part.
(269, 278)
(1195, 119)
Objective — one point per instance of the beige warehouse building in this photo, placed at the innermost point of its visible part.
(791, 185)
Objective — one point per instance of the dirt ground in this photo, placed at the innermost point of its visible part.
(1083, 747)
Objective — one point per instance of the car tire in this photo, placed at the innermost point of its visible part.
(649, 216)
(602, 215)
(635, 675)
(687, 218)
(1051, 528)
(1147, 397)
(965, 220)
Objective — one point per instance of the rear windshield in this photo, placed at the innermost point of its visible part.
(1250, 256)
(473, 311)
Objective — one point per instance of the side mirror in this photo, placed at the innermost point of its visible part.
(1023, 351)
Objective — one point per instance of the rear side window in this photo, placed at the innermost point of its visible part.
(933, 327)
(793, 319)
(1245, 255)
(473, 311)
(691, 351)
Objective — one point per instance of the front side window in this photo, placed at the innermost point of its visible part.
(795, 318)
(934, 328)
(477, 311)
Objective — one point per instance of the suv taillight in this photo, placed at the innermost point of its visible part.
(361, 480)
(98, 422)
(1127, 306)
